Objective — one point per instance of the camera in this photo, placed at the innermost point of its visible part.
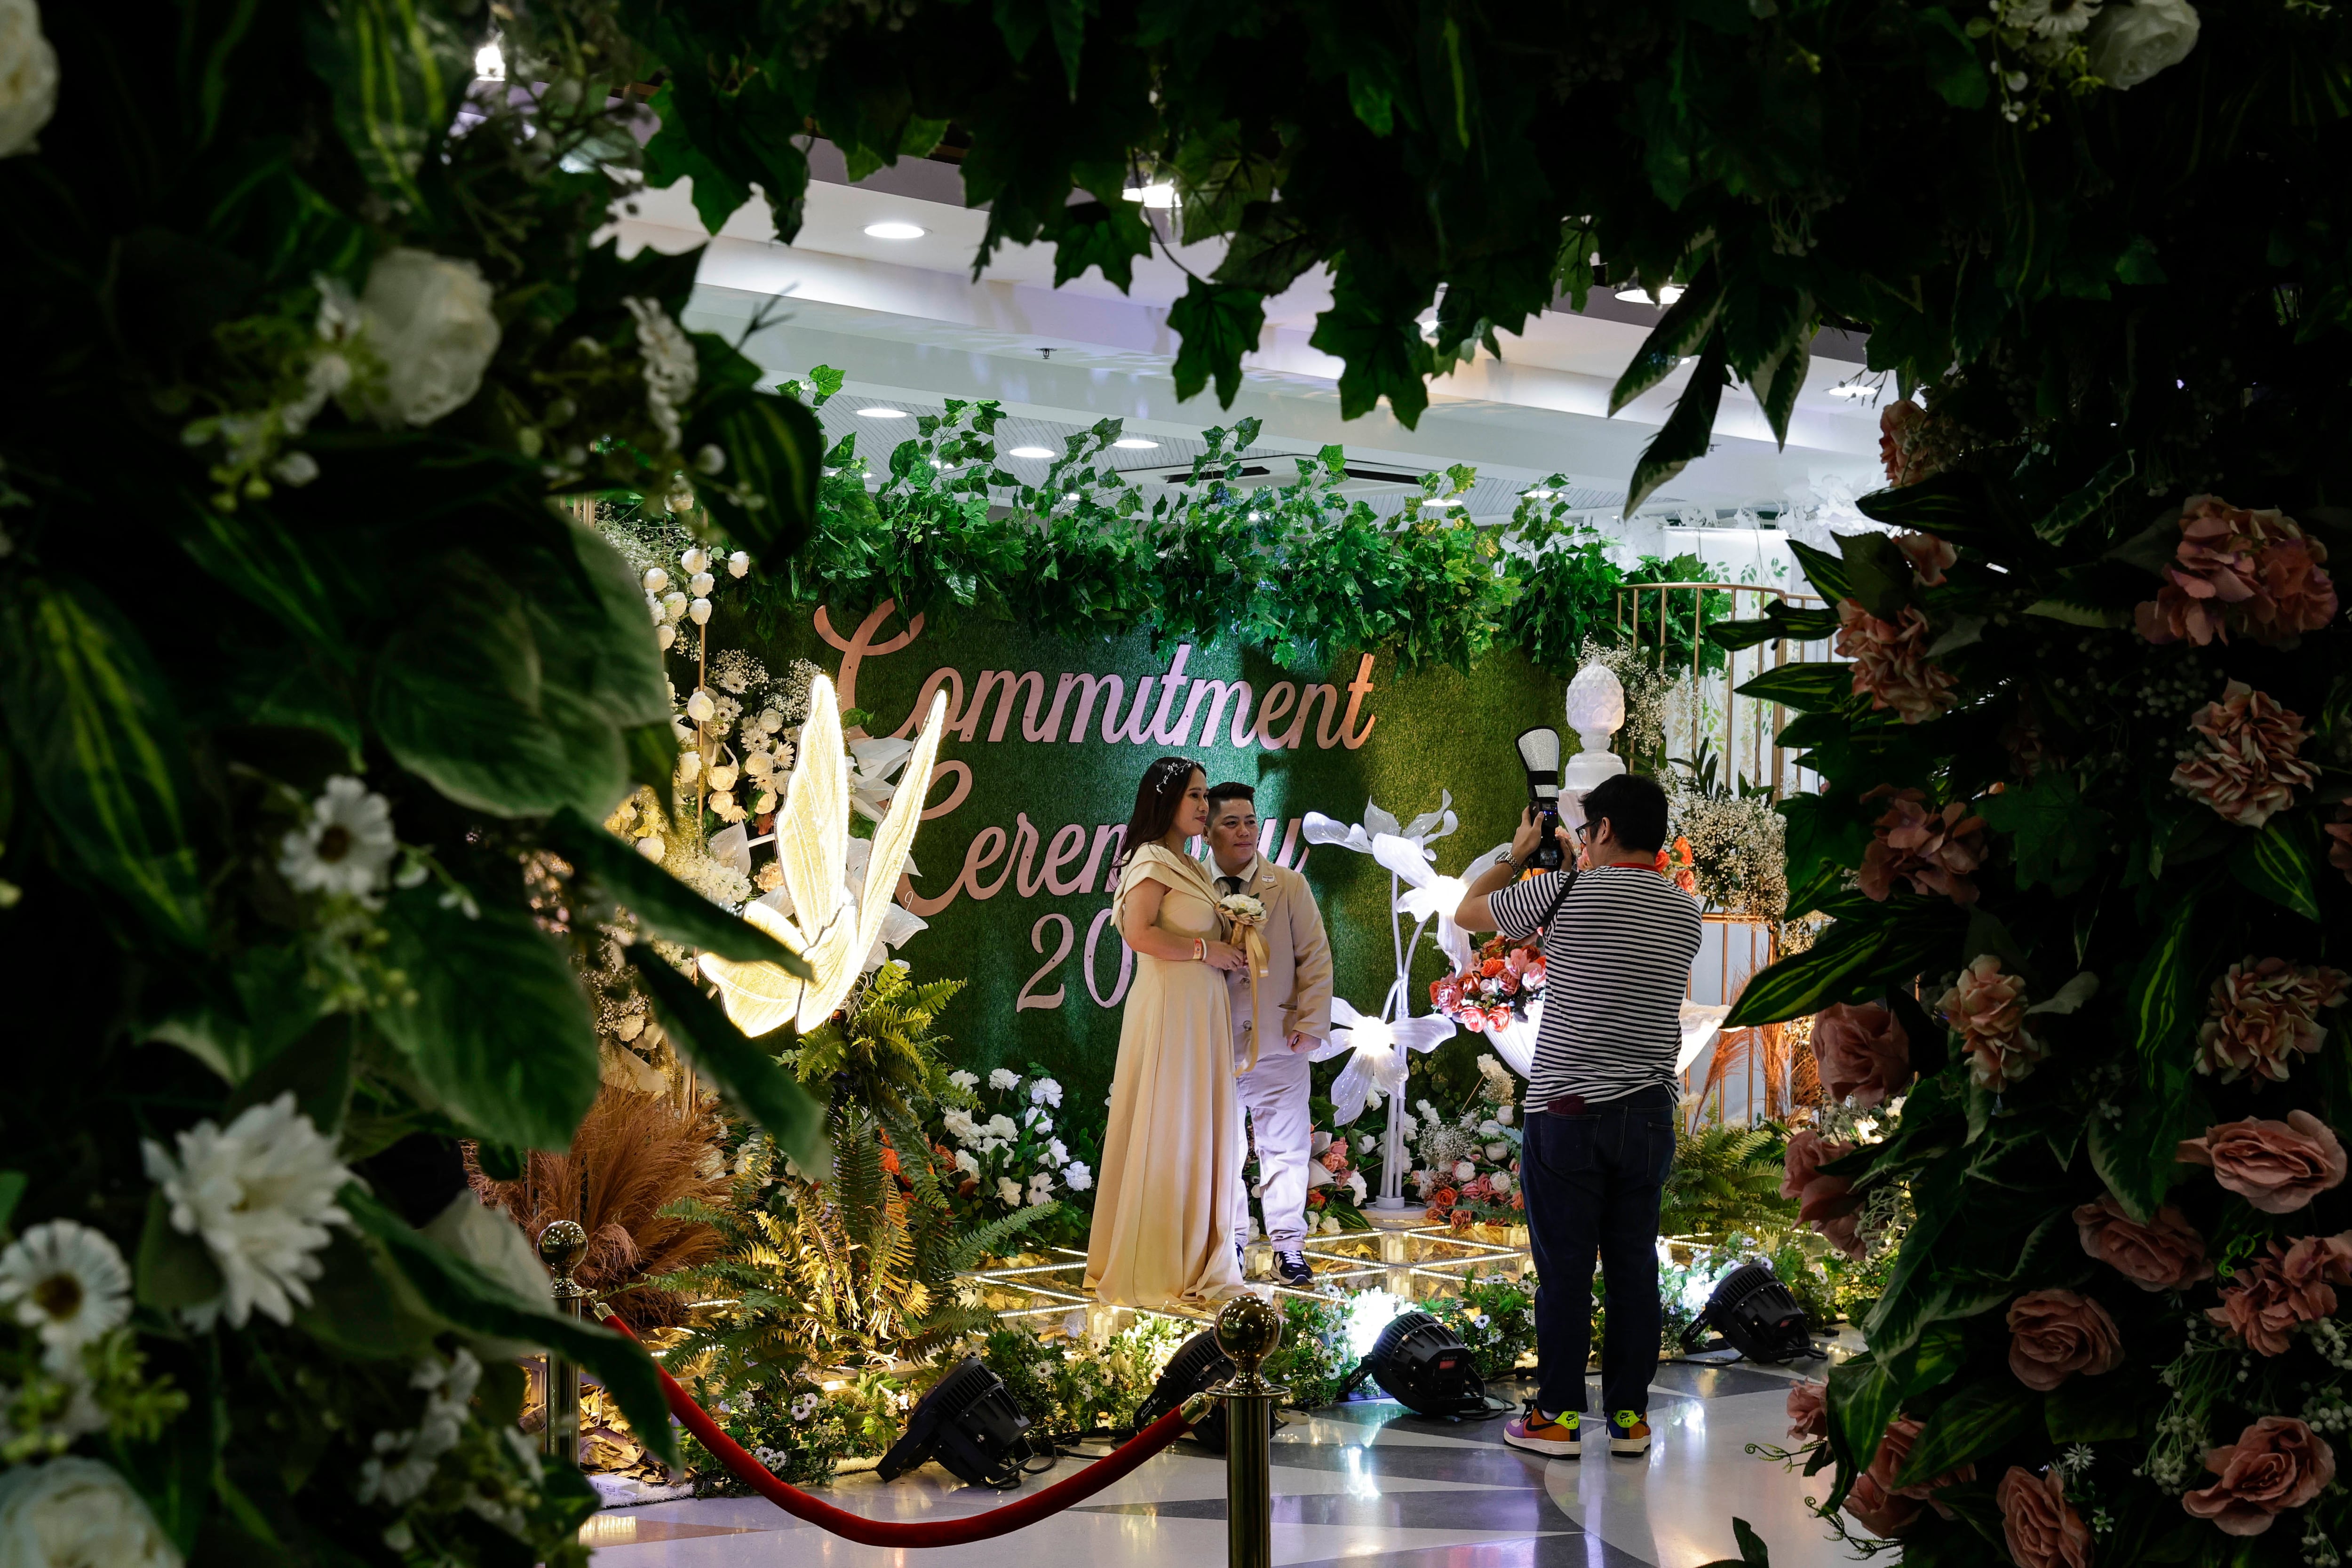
(1539, 754)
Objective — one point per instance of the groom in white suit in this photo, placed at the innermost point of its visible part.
(1294, 1018)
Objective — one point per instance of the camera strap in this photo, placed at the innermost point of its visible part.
(1567, 882)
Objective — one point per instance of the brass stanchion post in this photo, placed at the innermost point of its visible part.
(1249, 1330)
(562, 1246)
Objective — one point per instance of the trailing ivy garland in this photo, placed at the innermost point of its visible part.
(1296, 569)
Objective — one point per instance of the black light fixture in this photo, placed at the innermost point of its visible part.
(1199, 1362)
(968, 1423)
(1424, 1367)
(1756, 1316)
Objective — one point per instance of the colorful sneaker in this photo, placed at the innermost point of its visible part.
(1629, 1433)
(1540, 1434)
(1291, 1267)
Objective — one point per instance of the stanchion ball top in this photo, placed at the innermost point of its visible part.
(563, 1246)
(1249, 1330)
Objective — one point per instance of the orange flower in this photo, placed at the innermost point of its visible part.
(1491, 968)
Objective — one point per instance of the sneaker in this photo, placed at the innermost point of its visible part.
(1292, 1266)
(1629, 1433)
(1540, 1434)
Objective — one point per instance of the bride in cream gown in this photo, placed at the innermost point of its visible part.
(1163, 1232)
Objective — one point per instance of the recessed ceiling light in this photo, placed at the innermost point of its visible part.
(1633, 293)
(895, 229)
(1032, 453)
(880, 412)
(490, 62)
(1539, 494)
(1159, 195)
(1136, 444)
(1854, 389)
(1440, 500)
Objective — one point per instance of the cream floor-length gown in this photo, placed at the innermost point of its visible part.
(1162, 1233)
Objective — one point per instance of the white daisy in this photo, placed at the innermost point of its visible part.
(345, 845)
(2053, 19)
(261, 1193)
(77, 1510)
(68, 1281)
(804, 1406)
(1041, 1189)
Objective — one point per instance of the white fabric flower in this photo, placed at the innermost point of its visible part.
(740, 564)
(78, 1513)
(695, 558)
(1501, 1182)
(967, 1082)
(1001, 1126)
(664, 637)
(402, 1464)
(656, 579)
(1008, 1192)
(28, 76)
(651, 847)
(1041, 1189)
(1045, 1091)
(346, 844)
(700, 707)
(1003, 1077)
(698, 612)
(429, 320)
(261, 1193)
(673, 607)
(68, 1281)
(670, 367)
(701, 586)
(1056, 1153)
(689, 766)
(1356, 1187)
(1463, 1170)
(967, 1162)
(1367, 1143)
(2131, 43)
(1033, 1115)
(1078, 1176)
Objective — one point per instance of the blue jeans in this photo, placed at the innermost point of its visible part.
(1592, 1184)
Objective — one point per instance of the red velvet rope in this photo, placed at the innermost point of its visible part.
(936, 1532)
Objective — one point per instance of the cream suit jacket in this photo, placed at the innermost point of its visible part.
(1295, 994)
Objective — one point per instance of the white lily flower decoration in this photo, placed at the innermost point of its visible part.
(1428, 896)
(1359, 837)
(874, 764)
(1378, 1068)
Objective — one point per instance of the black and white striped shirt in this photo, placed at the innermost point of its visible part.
(1617, 964)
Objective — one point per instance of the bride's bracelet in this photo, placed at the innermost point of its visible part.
(1200, 950)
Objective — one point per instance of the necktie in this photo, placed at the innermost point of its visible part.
(1228, 884)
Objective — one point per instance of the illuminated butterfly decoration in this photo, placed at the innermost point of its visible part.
(830, 926)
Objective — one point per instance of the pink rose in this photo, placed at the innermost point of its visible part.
(1809, 1411)
(2053, 1334)
(1824, 1202)
(2276, 1463)
(1894, 1451)
(1862, 1052)
(1987, 1008)
(2277, 1167)
(2167, 1254)
(2042, 1530)
(1929, 556)
(1879, 1511)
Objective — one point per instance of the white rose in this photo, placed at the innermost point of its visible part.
(758, 764)
(723, 776)
(1463, 1170)
(2129, 44)
(73, 1511)
(665, 637)
(1503, 1114)
(674, 606)
(656, 579)
(429, 318)
(694, 559)
(1008, 1192)
(700, 611)
(28, 76)
(739, 564)
(722, 801)
(700, 584)
(651, 847)
(700, 707)
(1356, 1186)
(689, 766)
(1496, 1151)
(1501, 1182)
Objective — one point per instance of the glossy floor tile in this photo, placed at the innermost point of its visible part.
(1365, 1484)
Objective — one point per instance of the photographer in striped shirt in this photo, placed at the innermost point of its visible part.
(1618, 940)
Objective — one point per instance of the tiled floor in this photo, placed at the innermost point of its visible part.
(1365, 1483)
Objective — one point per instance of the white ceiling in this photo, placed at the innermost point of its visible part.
(909, 326)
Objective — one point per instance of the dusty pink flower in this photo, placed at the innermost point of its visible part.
(1987, 1008)
(1900, 427)
(1895, 1450)
(1933, 852)
(2277, 1463)
(1862, 1052)
(2262, 1012)
(2166, 1253)
(1824, 1202)
(2276, 1166)
(2266, 1301)
(2255, 570)
(1929, 556)
(2245, 767)
(1809, 1411)
(1890, 662)
(2340, 854)
(2053, 1334)
(2042, 1530)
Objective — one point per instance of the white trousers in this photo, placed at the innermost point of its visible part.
(1274, 1095)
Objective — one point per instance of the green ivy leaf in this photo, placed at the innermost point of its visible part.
(89, 717)
(666, 906)
(457, 1291)
(2282, 863)
(495, 1020)
(766, 495)
(1689, 430)
(1980, 1419)
(1216, 324)
(744, 1071)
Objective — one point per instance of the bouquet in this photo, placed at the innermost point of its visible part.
(1502, 984)
(1467, 1166)
(1243, 916)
